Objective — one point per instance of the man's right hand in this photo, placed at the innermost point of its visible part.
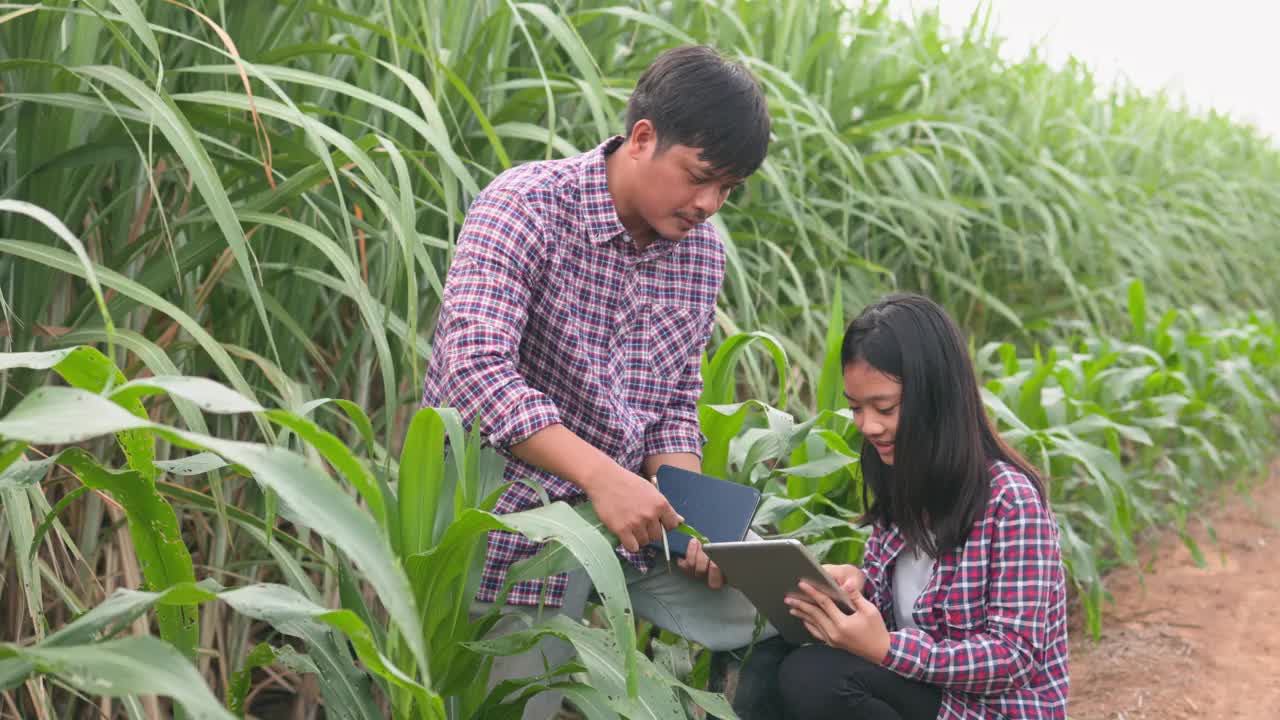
(630, 506)
(849, 577)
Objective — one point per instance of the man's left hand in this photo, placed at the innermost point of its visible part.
(696, 564)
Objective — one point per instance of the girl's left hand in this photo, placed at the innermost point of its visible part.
(862, 633)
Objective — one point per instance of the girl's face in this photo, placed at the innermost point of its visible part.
(874, 398)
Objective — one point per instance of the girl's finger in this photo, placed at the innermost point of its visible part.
(813, 592)
(829, 624)
(862, 604)
(811, 613)
(802, 610)
(823, 602)
(817, 633)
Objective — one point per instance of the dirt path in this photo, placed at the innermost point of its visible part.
(1182, 641)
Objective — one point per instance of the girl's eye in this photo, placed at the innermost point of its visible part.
(887, 411)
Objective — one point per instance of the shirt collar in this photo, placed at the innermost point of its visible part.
(599, 210)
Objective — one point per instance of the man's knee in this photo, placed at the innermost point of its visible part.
(732, 628)
(726, 638)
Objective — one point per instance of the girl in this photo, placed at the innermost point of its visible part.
(959, 605)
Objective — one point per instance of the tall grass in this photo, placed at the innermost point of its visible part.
(307, 222)
(266, 194)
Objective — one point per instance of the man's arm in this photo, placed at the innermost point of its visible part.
(486, 301)
(685, 461)
(482, 319)
(626, 503)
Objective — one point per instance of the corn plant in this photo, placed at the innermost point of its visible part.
(267, 195)
(414, 545)
(1136, 430)
(291, 177)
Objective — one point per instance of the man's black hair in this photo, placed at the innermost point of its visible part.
(695, 97)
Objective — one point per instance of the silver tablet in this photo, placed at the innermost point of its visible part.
(766, 570)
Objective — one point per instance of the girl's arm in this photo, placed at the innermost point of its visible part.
(1024, 578)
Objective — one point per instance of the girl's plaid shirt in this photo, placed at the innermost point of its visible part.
(992, 619)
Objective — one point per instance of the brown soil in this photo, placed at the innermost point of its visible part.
(1181, 641)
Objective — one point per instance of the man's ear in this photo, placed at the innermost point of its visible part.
(643, 139)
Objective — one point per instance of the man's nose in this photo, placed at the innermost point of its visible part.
(708, 200)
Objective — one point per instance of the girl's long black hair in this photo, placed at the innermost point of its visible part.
(939, 483)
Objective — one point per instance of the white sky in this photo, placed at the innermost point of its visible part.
(1223, 54)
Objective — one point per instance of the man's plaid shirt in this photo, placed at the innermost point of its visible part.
(551, 315)
(992, 619)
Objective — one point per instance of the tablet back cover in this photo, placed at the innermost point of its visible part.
(719, 509)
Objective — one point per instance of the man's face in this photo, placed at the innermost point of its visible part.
(673, 189)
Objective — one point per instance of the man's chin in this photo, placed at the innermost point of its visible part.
(679, 229)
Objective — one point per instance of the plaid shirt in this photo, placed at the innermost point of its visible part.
(551, 315)
(992, 619)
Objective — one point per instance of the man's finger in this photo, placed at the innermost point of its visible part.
(715, 578)
(698, 558)
(628, 541)
(670, 520)
(655, 531)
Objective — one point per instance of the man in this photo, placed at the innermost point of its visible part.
(575, 312)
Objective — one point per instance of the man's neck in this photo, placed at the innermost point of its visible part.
(619, 183)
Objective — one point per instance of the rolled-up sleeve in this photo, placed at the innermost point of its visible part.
(482, 319)
(677, 430)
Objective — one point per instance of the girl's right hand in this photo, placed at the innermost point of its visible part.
(849, 577)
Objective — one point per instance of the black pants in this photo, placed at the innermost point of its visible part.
(817, 682)
(756, 696)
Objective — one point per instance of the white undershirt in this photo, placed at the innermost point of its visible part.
(911, 573)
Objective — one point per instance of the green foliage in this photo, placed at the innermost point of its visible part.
(430, 651)
(297, 193)
(265, 218)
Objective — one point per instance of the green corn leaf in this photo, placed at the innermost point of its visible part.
(127, 666)
(314, 498)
